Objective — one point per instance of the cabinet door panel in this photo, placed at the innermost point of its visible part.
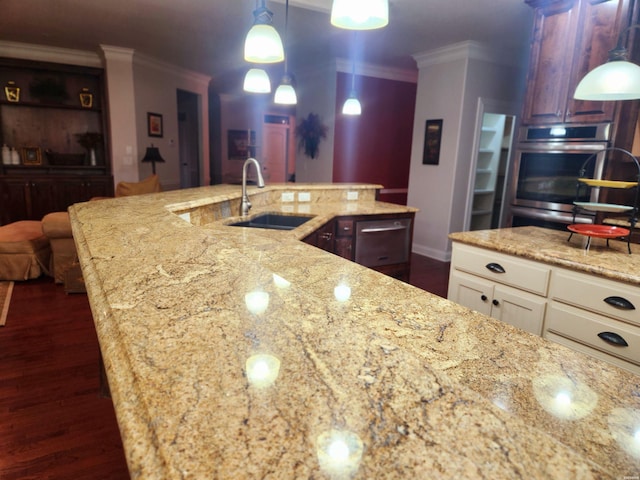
(472, 292)
(41, 198)
(597, 35)
(13, 193)
(518, 308)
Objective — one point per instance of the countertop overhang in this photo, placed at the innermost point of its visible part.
(376, 378)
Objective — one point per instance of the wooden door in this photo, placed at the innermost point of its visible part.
(278, 158)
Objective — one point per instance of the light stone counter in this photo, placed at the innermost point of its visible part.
(376, 379)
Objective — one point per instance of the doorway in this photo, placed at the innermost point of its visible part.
(494, 140)
(188, 138)
(278, 156)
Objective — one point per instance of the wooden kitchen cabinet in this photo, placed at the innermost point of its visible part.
(503, 287)
(570, 38)
(28, 197)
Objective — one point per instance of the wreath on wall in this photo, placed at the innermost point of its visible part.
(309, 132)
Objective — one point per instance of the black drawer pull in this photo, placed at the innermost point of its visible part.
(613, 339)
(495, 267)
(620, 302)
(483, 298)
(495, 302)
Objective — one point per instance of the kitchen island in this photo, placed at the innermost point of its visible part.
(237, 352)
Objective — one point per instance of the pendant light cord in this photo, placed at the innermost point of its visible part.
(353, 63)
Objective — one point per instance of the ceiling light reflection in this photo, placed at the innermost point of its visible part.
(257, 302)
(342, 293)
(563, 397)
(262, 370)
(339, 453)
(281, 282)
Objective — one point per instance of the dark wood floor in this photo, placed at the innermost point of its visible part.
(53, 422)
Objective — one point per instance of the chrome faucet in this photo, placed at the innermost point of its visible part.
(246, 204)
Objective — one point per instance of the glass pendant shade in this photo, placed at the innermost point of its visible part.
(360, 14)
(615, 80)
(285, 93)
(263, 45)
(352, 105)
(257, 81)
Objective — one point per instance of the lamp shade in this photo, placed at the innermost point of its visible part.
(285, 93)
(615, 80)
(263, 43)
(352, 105)
(257, 81)
(152, 155)
(360, 14)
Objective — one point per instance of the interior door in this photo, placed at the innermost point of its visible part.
(188, 139)
(276, 156)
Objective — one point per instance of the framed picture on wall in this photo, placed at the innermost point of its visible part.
(154, 124)
(241, 144)
(432, 138)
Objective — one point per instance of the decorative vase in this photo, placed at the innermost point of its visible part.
(92, 157)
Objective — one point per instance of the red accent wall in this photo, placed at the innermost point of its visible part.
(375, 147)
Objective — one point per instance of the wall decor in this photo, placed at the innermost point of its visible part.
(310, 131)
(12, 92)
(241, 144)
(154, 124)
(31, 156)
(432, 139)
(86, 98)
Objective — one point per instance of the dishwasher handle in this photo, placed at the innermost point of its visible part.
(383, 229)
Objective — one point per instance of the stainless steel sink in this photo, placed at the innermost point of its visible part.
(274, 221)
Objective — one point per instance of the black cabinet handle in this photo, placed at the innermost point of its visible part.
(613, 339)
(495, 267)
(495, 302)
(620, 302)
(483, 298)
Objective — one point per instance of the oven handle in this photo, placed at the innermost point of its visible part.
(383, 229)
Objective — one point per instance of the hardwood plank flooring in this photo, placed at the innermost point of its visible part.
(53, 422)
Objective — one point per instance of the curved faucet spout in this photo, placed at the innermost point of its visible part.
(246, 204)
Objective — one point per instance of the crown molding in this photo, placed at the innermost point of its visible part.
(45, 53)
(369, 70)
(462, 51)
(154, 63)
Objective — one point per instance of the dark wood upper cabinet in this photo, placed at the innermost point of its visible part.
(570, 38)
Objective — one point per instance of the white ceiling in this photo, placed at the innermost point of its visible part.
(207, 35)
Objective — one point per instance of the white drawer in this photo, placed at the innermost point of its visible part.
(594, 293)
(585, 327)
(519, 273)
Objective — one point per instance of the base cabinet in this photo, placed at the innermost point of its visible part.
(591, 314)
(32, 197)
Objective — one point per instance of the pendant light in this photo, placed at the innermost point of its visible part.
(257, 81)
(285, 93)
(352, 104)
(360, 14)
(263, 44)
(618, 79)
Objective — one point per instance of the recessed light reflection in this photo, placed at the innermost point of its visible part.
(339, 453)
(257, 302)
(564, 398)
(342, 293)
(262, 370)
(281, 282)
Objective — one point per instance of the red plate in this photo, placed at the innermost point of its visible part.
(600, 231)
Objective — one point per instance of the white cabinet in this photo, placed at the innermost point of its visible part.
(504, 287)
(591, 314)
(597, 316)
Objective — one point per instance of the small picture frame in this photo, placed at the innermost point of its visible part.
(241, 144)
(154, 124)
(86, 98)
(31, 156)
(432, 139)
(12, 92)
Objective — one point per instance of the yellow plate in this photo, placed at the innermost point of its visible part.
(607, 183)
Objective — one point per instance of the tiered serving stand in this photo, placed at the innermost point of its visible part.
(600, 230)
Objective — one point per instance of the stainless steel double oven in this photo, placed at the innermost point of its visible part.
(545, 170)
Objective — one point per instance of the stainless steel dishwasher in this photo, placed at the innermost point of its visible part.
(383, 242)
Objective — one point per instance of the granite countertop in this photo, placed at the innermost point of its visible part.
(242, 353)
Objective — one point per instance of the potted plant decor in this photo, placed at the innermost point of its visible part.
(309, 132)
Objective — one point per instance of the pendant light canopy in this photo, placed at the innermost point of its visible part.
(360, 14)
(618, 79)
(263, 43)
(257, 81)
(285, 93)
